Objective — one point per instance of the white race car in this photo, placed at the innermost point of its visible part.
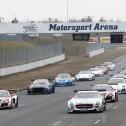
(119, 76)
(97, 71)
(104, 68)
(110, 65)
(121, 88)
(87, 101)
(85, 75)
(8, 99)
(118, 84)
(106, 91)
(123, 71)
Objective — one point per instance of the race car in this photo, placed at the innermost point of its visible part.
(84, 101)
(85, 75)
(41, 86)
(110, 65)
(123, 71)
(119, 75)
(97, 71)
(121, 88)
(103, 68)
(118, 84)
(64, 79)
(8, 99)
(106, 91)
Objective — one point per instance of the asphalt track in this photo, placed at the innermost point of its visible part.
(51, 110)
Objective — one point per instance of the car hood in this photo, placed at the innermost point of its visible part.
(83, 75)
(38, 85)
(85, 100)
(60, 79)
(104, 93)
(2, 98)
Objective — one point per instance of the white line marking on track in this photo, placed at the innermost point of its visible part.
(95, 123)
(21, 105)
(56, 123)
(115, 107)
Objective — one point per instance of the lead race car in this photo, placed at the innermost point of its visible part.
(86, 101)
(41, 86)
(8, 99)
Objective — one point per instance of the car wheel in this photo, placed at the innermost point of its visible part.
(116, 97)
(16, 105)
(10, 107)
(102, 109)
(53, 89)
(69, 111)
(28, 92)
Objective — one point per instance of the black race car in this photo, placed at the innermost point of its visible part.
(41, 86)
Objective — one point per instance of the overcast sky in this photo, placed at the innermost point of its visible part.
(43, 9)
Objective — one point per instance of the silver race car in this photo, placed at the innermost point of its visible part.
(8, 99)
(84, 101)
(85, 75)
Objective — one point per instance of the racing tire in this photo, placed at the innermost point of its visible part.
(116, 97)
(53, 89)
(16, 105)
(69, 112)
(28, 92)
(11, 105)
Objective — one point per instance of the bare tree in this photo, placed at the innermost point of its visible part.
(102, 19)
(15, 20)
(89, 19)
(1, 18)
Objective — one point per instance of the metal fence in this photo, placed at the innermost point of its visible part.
(95, 46)
(13, 57)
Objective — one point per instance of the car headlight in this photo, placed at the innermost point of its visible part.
(97, 104)
(5, 101)
(110, 95)
(30, 87)
(71, 105)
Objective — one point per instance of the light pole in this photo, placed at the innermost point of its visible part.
(67, 11)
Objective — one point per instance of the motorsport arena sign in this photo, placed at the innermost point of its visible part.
(83, 28)
(73, 27)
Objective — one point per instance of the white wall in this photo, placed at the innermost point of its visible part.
(96, 52)
(29, 66)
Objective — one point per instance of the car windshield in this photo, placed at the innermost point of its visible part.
(40, 82)
(4, 94)
(64, 76)
(95, 69)
(116, 81)
(86, 95)
(85, 72)
(119, 75)
(101, 88)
